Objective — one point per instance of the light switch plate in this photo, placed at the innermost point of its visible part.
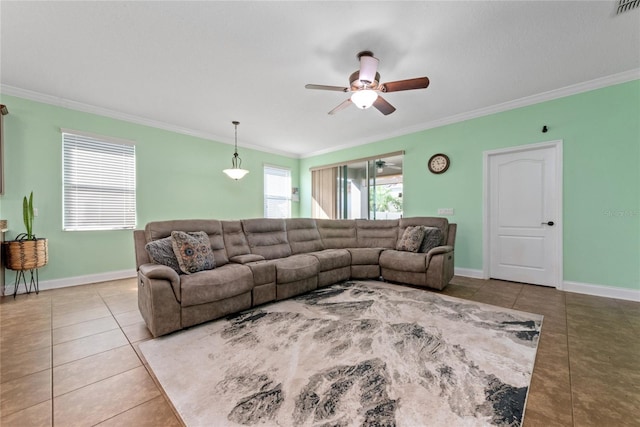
(445, 211)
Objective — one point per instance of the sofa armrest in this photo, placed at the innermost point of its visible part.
(440, 266)
(246, 258)
(440, 250)
(162, 272)
(437, 251)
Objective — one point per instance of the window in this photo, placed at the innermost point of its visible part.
(99, 183)
(277, 192)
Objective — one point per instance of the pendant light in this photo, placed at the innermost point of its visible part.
(236, 172)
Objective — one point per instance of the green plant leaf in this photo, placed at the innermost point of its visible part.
(27, 215)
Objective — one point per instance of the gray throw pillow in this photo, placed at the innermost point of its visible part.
(161, 252)
(193, 251)
(411, 239)
(432, 238)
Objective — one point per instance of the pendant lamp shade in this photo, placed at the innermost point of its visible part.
(236, 172)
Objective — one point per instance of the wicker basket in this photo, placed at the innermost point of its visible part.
(26, 254)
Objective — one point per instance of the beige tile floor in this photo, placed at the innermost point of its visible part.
(69, 357)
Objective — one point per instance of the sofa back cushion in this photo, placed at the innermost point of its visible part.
(379, 233)
(160, 229)
(338, 233)
(429, 221)
(267, 237)
(303, 236)
(234, 239)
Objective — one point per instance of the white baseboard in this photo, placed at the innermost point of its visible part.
(468, 272)
(568, 286)
(602, 290)
(73, 281)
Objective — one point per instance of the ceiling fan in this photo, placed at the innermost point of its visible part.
(381, 165)
(365, 86)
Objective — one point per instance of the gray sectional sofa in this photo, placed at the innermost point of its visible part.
(263, 260)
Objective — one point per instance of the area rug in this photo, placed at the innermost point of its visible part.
(353, 354)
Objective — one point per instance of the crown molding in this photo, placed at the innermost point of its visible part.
(574, 89)
(113, 114)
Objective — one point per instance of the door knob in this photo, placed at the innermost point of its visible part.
(547, 223)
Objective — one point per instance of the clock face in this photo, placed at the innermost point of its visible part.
(438, 163)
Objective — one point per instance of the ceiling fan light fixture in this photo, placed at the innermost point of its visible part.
(236, 172)
(368, 67)
(364, 99)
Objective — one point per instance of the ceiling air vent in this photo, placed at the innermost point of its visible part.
(627, 5)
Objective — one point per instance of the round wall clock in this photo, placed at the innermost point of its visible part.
(439, 163)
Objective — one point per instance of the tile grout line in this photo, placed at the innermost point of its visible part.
(130, 344)
(566, 319)
(121, 330)
(516, 299)
(51, 347)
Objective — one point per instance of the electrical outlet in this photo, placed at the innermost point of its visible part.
(35, 211)
(445, 211)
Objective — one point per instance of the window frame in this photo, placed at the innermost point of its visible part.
(98, 148)
(288, 198)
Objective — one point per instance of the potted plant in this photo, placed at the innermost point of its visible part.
(26, 252)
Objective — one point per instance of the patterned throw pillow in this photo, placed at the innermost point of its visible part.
(193, 251)
(432, 238)
(161, 252)
(411, 239)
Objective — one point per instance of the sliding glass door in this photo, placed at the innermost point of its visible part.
(362, 189)
(353, 191)
(385, 188)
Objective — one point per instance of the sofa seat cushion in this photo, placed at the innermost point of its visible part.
(246, 258)
(404, 261)
(215, 285)
(264, 272)
(296, 267)
(330, 259)
(365, 256)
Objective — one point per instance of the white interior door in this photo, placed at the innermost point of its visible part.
(524, 191)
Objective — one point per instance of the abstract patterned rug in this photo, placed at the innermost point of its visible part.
(353, 354)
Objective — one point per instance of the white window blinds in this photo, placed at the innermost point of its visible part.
(277, 192)
(99, 183)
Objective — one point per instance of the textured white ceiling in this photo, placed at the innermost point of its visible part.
(199, 65)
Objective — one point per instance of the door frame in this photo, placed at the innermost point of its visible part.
(486, 229)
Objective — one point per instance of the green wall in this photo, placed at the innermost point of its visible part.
(178, 176)
(600, 130)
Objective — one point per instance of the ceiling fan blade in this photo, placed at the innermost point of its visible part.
(383, 106)
(417, 83)
(342, 106)
(368, 69)
(324, 87)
